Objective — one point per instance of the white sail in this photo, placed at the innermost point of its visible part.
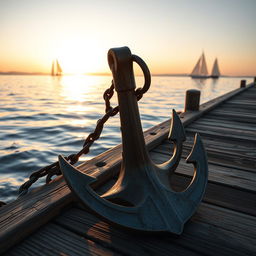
(53, 69)
(203, 71)
(56, 68)
(215, 69)
(196, 69)
(59, 70)
(200, 69)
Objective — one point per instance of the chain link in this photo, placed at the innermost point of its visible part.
(54, 169)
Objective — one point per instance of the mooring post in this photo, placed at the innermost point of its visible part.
(192, 100)
(254, 81)
(243, 84)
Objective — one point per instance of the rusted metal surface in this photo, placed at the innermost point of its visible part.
(142, 198)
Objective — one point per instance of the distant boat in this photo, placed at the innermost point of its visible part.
(56, 68)
(215, 69)
(200, 69)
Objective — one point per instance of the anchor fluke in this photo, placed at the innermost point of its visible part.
(73, 175)
(142, 198)
(198, 158)
(193, 195)
(177, 132)
(177, 136)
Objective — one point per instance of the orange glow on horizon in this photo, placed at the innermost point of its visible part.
(79, 34)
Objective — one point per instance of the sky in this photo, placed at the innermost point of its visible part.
(169, 35)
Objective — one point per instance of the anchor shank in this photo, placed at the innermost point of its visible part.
(134, 148)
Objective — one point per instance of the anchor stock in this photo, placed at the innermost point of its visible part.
(142, 198)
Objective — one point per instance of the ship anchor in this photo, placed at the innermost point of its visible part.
(142, 198)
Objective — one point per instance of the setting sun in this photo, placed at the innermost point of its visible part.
(79, 56)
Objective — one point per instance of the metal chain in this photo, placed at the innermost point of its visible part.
(54, 169)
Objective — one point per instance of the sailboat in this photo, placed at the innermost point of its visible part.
(215, 69)
(56, 66)
(200, 69)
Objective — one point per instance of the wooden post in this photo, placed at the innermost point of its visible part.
(243, 84)
(254, 81)
(192, 100)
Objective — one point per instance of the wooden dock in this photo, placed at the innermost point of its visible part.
(49, 221)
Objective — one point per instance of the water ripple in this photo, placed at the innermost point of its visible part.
(37, 125)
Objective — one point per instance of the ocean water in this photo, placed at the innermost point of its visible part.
(43, 116)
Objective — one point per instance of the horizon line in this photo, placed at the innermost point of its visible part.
(106, 74)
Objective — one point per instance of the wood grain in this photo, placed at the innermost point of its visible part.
(212, 231)
(56, 240)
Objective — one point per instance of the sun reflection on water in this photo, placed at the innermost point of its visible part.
(75, 87)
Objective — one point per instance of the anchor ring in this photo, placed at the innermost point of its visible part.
(146, 73)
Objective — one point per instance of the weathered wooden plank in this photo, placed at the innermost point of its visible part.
(246, 98)
(222, 133)
(240, 100)
(244, 102)
(238, 110)
(227, 219)
(215, 122)
(26, 251)
(219, 235)
(229, 159)
(55, 240)
(236, 156)
(231, 155)
(224, 196)
(231, 132)
(240, 106)
(35, 209)
(225, 163)
(226, 143)
(249, 95)
(246, 118)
